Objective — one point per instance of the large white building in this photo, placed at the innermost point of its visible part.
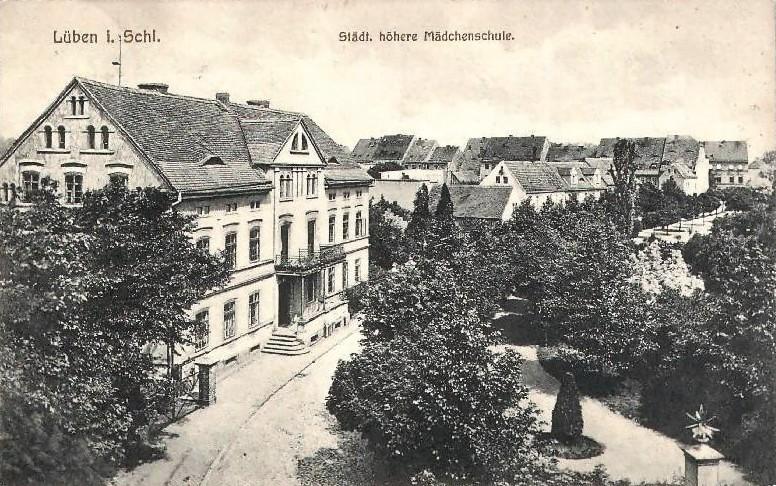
(269, 187)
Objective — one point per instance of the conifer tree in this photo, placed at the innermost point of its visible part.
(567, 421)
(421, 216)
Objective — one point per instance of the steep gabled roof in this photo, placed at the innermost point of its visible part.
(470, 159)
(480, 202)
(649, 150)
(265, 138)
(560, 152)
(730, 151)
(420, 150)
(444, 154)
(177, 133)
(536, 177)
(681, 149)
(512, 148)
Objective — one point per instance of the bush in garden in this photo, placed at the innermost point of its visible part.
(441, 401)
(567, 421)
(591, 379)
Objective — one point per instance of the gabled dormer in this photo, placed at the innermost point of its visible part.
(299, 149)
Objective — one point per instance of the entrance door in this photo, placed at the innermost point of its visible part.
(284, 304)
(284, 230)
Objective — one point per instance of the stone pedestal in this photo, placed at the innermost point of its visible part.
(701, 465)
(207, 383)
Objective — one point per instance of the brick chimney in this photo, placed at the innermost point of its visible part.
(259, 103)
(222, 97)
(158, 87)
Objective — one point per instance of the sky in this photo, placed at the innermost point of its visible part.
(576, 71)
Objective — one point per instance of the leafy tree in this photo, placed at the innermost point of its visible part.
(623, 172)
(440, 401)
(85, 292)
(5, 144)
(387, 244)
(567, 420)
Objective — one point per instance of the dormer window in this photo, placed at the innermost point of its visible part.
(213, 160)
(105, 137)
(61, 132)
(48, 137)
(91, 137)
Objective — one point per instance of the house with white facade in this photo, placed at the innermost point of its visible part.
(269, 188)
(728, 163)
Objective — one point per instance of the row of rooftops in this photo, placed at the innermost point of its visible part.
(202, 145)
(652, 152)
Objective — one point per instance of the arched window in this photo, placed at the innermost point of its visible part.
(295, 142)
(105, 136)
(304, 143)
(91, 137)
(73, 105)
(61, 132)
(81, 103)
(47, 135)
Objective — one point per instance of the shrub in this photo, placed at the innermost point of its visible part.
(567, 420)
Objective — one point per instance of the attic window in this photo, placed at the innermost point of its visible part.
(213, 160)
(299, 139)
(73, 104)
(47, 133)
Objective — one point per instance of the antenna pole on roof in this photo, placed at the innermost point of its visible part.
(118, 63)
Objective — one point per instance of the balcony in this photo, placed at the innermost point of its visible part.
(306, 261)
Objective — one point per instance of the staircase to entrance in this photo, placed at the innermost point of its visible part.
(284, 342)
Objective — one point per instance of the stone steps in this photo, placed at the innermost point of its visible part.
(284, 343)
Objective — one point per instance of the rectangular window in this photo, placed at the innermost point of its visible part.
(498, 179)
(204, 243)
(230, 249)
(309, 288)
(732, 179)
(345, 226)
(506, 180)
(253, 310)
(332, 229)
(74, 185)
(344, 275)
(253, 244)
(230, 208)
(311, 236)
(357, 270)
(330, 279)
(332, 196)
(346, 195)
(229, 322)
(359, 194)
(202, 335)
(255, 204)
(359, 224)
(740, 180)
(30, 182)
(203, 210)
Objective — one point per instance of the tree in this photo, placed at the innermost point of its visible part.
(387, 243)
(420, 218)
(85, 292)
(5, 144)
(623, 172)
(440, 401)
(567, 420)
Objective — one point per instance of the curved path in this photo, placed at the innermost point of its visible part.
(632, 451)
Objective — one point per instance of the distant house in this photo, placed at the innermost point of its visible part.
(399, 148)
(567, 152)
(758, 175)
(658, 159)
(441, 158)
(728, 163)
(481, 155)
(478, 203)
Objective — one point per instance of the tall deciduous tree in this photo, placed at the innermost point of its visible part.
(623, 172)
(85, 292)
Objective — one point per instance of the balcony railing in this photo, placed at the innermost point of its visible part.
(306, 260)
